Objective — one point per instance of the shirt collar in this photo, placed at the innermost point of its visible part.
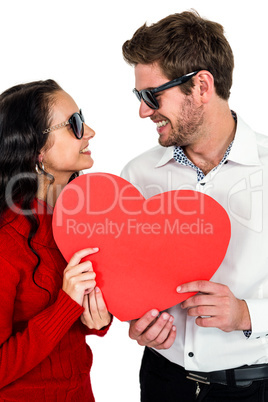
(166, 157)
(244, 148)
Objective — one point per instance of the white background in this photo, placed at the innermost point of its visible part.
(78, 43)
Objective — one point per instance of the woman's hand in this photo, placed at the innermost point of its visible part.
(96, 315)
(79, 278)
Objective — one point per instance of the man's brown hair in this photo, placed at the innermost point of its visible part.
(182, 43)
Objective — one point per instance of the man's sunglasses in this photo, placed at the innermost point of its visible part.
(76, 121)
(147, 95)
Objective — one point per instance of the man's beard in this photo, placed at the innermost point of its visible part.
(188, 125)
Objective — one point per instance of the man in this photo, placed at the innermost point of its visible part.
(213, 346)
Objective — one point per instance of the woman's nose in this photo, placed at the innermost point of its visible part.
(88, 131)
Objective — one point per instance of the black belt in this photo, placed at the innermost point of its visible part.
(240, 376)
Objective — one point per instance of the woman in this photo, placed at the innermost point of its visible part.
(46, 308)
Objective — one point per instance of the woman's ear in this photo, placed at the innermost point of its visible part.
(40, 157)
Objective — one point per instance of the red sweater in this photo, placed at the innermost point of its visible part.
(43, 352)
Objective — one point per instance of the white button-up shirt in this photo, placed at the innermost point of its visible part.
(241, 187)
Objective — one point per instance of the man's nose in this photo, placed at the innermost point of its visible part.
(145, 110)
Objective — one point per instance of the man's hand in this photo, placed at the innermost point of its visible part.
(214, 305)
(153, 330)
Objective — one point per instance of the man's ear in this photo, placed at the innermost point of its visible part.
(204, 82)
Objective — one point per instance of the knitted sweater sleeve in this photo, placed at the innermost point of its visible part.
(22, 351)
(99, 332)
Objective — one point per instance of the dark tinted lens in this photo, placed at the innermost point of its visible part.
(77, 125)
(149, 99)
(137, 94)
(82, 116)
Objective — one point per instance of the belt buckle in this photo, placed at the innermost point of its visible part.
(199, 378)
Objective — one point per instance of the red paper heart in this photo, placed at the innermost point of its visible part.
(147, 247)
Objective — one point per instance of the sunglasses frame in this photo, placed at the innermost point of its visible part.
(65, 123)
(177, 81)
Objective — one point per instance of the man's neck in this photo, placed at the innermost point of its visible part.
(210, 149)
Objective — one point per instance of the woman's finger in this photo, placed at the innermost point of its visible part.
(93, 307)
(86, 316)
(76, 258)
(102, 308)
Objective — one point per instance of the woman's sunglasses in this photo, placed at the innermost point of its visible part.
(147, 95)
(76, 121)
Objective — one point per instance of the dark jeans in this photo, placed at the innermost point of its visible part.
(163, 381)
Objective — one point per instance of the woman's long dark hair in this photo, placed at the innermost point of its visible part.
(25, 112)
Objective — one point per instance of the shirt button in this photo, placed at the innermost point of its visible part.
(190, 354)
